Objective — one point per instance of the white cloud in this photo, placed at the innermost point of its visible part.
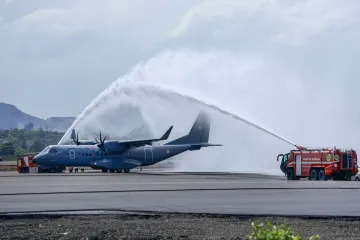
(208, 10)
(86, 44)
(47, 20)
(277, 20)
(307, 19)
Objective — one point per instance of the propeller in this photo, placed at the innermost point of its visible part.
(102, 141)
(74, 137)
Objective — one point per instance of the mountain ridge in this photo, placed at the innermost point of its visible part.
(13, 117)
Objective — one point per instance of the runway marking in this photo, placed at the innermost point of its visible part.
(179, 190)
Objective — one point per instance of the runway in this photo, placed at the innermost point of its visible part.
(183, 193)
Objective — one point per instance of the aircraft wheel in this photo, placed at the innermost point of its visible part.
(112, 170)
(104, 170)
(119, 170)
(126, 170)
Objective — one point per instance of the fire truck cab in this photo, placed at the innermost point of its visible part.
(319, 164)
(25, 164)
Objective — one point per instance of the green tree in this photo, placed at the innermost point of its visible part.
(25, 140)
(37, 146)
(7, 148)
(29, 126)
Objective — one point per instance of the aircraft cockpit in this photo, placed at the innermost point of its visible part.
(45, 151)
(53, 150)
(49, 149)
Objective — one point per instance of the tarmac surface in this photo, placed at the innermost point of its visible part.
(7, 163)
(234, 194)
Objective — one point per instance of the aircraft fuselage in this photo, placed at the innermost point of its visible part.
(73, 155)
(126, 154)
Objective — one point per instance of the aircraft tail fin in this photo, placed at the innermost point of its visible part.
(199, 133)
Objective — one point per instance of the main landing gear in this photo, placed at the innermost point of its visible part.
(126, 170)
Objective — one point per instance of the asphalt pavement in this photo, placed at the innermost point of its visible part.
(185, 193)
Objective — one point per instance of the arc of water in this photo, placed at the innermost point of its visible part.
(98, 99)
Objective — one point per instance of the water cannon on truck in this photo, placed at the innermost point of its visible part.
(319, 163)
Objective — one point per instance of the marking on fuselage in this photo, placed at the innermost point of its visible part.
(71, 154)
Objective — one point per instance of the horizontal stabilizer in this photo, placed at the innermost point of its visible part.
(141, 142)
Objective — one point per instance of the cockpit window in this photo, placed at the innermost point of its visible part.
(53, 151)
(46, 150)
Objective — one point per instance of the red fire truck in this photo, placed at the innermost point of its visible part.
(319, 164)
(25, 164)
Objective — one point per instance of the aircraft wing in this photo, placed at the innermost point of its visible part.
(141, 142)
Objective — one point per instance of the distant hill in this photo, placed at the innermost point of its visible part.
(12, 117)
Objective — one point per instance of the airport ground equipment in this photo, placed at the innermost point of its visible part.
(319, 163)
(25, 165)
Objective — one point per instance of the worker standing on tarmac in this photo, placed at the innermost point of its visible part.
(76, 169)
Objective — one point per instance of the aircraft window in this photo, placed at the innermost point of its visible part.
(46, 150)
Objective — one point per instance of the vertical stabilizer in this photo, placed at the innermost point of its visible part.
(199, 132)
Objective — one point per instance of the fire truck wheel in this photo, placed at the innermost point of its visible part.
(322, 175)
(313, 174)
(357, 178)
(290, 174)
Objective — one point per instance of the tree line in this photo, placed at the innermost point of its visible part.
(17, 141)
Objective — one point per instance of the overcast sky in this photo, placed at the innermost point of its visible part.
(56, 56)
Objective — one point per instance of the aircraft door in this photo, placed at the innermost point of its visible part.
(298, 165)
(148, 154)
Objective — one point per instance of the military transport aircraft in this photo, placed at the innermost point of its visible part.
(124, 155)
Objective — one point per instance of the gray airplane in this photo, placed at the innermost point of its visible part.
(124, 155)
